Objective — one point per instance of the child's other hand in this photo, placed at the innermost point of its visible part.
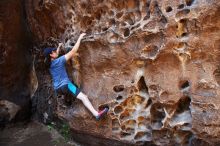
(60, 45)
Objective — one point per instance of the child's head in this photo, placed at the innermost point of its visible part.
(50, 53)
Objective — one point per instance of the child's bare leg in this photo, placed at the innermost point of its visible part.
(87, 103)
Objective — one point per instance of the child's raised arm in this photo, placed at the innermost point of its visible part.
(71, 53)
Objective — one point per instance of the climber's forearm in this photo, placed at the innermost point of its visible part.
(58, 48)
(76, 46)
(71, 53)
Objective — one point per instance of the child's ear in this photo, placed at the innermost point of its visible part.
(50, 55)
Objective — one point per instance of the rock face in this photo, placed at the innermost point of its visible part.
(156, 64)
(16, 74)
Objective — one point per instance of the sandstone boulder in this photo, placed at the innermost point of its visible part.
(154, 63)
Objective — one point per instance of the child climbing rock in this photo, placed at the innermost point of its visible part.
(61, 81)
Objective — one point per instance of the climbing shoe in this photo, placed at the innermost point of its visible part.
(102, 113)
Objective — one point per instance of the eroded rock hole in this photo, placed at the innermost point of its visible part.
(138, 100)
(129, 130)
(163, 20)
(124, 134)
(125, 115)
(183, 21)
(72, 43)
(112, 22)
(144, 125)
(169, 9)
(119, 15)
(184, 84)
(216, 74)
(181, 44)
(180, 6)
(147, 11)
(157, 115)
(128, 19)
(105, 29)
(182, 13)
(185, 11)
(129, 126)
(119, 97)
(130, 123)
(185, 34)
(141, 135)
(118, 109)
(137, 16)
(126, 32)
(149, 102)
(115, 125)
(130, 102)
(142, 85)
(183, 104)
(182, 30)
(189, 2)
(118, 88)
(147, 16)
(141, 119)
(151, 51)
(157, 111)
(153, 87)
(164, 95)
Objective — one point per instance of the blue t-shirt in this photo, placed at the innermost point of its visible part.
(58, 72)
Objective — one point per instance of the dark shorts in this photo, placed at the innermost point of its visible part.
(68, 90)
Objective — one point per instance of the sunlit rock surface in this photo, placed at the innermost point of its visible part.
(156, 64)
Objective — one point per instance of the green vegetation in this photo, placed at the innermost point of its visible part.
(63, 129)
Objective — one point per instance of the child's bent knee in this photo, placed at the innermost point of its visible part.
(81, 96)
